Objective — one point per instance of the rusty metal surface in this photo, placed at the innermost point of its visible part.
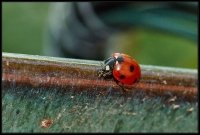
(81, 75)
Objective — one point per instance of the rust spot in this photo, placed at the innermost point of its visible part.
(46, 123)
(190, 110)
(175, 107)
(7, 63)
(172, 99)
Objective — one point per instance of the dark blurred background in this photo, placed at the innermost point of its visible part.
(154, 33)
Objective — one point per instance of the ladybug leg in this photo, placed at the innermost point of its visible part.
(107, 75)
(123, 90)
(106, 68)
(102, 71)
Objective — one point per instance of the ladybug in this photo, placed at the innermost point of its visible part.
(122, 68)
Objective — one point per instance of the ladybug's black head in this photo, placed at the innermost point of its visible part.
(109, 63)
(120, 59)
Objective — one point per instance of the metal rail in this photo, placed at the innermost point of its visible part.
(82, 75)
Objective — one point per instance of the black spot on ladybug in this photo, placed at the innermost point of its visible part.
(122, 77)
(120, 59)
(131, 68)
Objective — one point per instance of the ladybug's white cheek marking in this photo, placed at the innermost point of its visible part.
(107, 68)
(117, 67)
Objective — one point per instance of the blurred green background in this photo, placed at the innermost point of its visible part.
(24, 25)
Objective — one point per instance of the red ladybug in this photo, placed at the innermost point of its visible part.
(123, 68)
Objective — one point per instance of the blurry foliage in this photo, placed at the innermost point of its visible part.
(153, 47)
(24, 24)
